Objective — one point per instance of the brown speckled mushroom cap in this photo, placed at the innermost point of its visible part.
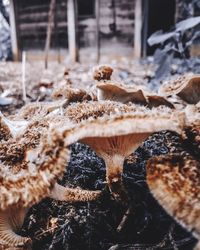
(73, 94)
(32, 177)
(187, 87)
(174, 181)
(102, 72)
(115, 130)
(107, 119)
(36, 110)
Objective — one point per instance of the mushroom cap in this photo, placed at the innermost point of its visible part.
(174, 181)
(72, 94)
(108, 119)
(156, 100)
(102, 72)
(93, 110)
(29, 172)
(36, 110)
(121, 93)
(187, 87)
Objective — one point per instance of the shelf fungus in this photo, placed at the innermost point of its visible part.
(115, 130)
(124, 94)
(174, 181)
(29, 173)
(187, 87)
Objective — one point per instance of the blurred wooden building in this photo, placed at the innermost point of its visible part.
(77, 24)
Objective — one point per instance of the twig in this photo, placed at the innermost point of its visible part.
(24, 75)
(124, 220)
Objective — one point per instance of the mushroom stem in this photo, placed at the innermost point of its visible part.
(114, 170)
(73, 194)
(11, 221)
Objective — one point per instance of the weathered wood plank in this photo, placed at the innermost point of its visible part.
(97, 11)
(13, 29)
(138, 29)
(50, 25)
(72, 31)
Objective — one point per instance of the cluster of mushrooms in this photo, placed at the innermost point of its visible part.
(113, 119)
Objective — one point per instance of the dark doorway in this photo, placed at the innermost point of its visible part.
(160, 16)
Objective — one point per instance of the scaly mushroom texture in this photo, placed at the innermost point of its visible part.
(115, 132)
(174, 181)
(28, 173)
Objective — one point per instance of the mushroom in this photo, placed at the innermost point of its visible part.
(27, 178)
(124, 94)
(37, 110)
(115, 130)
(174, 182)
(102, 72)
(29, 170)
(187, 87)
(118, 92)
(72, 94)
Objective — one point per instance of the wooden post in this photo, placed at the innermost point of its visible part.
(138, 29)
(49, 30)
(145, 27)
(13, 32)
(97, 11)
(72, 32)
(24, 75)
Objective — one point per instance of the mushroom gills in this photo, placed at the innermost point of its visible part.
(114, 150)
(11, 221)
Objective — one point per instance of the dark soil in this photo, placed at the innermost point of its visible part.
(98, 225)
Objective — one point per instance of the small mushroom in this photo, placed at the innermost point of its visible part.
(115, 135)
(72, 94)
(174, 182)
(102, 72)
(36, 110)
(187, 87)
